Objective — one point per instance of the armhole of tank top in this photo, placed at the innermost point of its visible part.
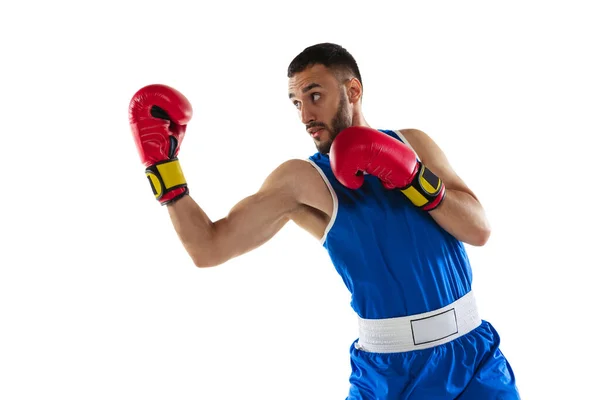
(333, 197)
(403, 139)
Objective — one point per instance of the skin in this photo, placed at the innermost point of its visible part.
(327, 101)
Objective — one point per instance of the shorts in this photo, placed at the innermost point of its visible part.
(471, 367)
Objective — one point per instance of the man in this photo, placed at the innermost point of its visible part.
(388, 208)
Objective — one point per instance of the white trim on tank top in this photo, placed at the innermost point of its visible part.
(333, 197)
(403, 139)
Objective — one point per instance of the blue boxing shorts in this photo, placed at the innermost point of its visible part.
(395, 361)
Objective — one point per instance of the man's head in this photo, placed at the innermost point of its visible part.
(326, 87)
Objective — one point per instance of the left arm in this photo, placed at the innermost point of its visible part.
(460, 214)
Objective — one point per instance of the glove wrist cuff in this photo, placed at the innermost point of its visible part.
(426, 191)
(167, 180)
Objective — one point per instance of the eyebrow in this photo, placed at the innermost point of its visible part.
(307, 88)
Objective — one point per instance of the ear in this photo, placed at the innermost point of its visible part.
(354, 90)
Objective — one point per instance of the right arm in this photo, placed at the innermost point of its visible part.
(158, 117)
(249, 224)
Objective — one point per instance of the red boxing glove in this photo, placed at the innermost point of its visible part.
(158, 116)
(360, 149)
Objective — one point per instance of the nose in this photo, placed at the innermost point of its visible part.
(307, 115)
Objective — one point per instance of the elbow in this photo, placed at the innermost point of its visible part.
(206, 260)
(200, 253)
(480, 231)
(480, 240)
(203, 262)
(208, 256)
(480, 236)
(211, 252)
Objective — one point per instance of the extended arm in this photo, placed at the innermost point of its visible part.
(158, 116)
(249, 224)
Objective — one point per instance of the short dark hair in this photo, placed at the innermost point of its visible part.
(330, 55)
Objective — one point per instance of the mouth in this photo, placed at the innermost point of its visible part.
(315, 132)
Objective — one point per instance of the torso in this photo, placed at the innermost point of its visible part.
(394, 259)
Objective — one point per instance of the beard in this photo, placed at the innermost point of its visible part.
(341, 121)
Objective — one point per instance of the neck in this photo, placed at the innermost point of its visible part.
(358, 119)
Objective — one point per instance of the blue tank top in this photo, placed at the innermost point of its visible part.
(393, 257)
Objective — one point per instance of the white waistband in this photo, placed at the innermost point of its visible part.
(420, 331)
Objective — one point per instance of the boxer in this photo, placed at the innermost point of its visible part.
(387, 207)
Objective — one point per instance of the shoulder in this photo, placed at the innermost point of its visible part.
(300, 178)
(422, 144)
(297, 175)
(435, 159)
(294, 169)
(414, 136)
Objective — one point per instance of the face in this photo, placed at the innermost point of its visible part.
(322, 104)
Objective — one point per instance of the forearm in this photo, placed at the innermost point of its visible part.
(461, 215)
(195, 230)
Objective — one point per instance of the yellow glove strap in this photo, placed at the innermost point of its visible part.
(425, 187)
(165, 176)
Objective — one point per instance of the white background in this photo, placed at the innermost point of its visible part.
(98, 299)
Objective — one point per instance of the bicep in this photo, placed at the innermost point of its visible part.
(435, 159)
(255, 219)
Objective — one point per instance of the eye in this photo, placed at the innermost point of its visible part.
(296, 103)
(316, 96)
